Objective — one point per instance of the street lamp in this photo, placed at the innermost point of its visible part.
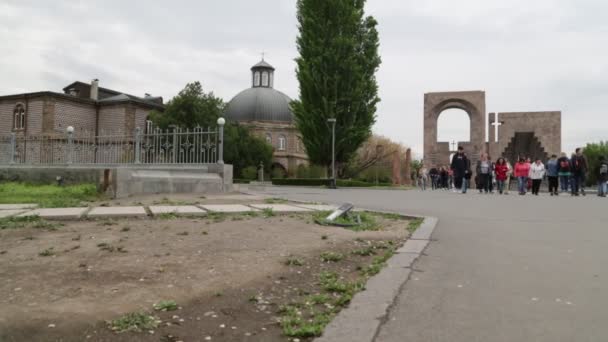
(221, 122)
(333, 152)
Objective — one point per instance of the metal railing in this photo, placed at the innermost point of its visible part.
(158, 146)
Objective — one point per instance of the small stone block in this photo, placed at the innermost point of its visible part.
(117, 212)
(280, 208)
(318, 207)
(227, 208)
(177, 210)
(57, 213)
(8, 213)
(413, 246)
(17, 206)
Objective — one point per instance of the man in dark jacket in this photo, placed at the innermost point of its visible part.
(579, 172)
(460, 165)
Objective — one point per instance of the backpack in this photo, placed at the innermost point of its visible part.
(604, 169)
(564, 164)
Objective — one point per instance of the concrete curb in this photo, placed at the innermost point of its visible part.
(361, 320)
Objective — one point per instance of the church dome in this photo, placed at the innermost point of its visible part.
(261, 102)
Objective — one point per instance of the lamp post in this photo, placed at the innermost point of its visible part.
(333, 152)
(70, 131)
(221, 122)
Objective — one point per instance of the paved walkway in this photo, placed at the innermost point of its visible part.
(501, 268)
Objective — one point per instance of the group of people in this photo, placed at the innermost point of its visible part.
(566, 173)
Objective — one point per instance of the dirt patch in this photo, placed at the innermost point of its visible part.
(230, 275)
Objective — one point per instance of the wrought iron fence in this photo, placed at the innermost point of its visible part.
(157, 146)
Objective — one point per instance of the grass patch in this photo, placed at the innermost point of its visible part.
(414, 225)
(275, 201)
(47, 252)
(331, 257)
(217, 217)
(167, 216)
(360, 221)
(104, 246)
(268, 212)
(165, 305)
(293, 261)
(48, 196)
(28, 222)
(367, 251)
(377, 263)
(135, 321)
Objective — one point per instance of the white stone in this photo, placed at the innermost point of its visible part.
(7, 213)
(17, 206)
(177, 210)
(227, 208)
(280, 208)
(117, 212)
(57, 213)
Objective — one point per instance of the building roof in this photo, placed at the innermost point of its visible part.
(260, 104)
(262, 64)
(83, 90)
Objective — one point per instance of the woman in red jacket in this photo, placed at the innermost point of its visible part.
(522, 170)
(501, 169)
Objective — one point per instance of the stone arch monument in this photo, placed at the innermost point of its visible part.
(474, 104)
(510, 134)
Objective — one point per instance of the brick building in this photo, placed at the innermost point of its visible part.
(266, 111)
(86, 107)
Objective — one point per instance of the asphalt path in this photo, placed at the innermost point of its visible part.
(499, 268)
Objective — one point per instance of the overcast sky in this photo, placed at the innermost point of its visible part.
(527, 55)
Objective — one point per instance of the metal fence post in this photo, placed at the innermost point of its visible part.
(13, 147)
(137, 145)
(220, 158)
(70, 150)
(175, 145)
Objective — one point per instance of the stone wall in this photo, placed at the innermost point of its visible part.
(78, 115)
(112, 119)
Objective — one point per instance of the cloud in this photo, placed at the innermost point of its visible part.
(540, 55)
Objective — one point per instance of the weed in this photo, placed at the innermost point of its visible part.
(268, 212)
(331, 257)
(125, 229)
(238, 218)
(167, 216)
(104, 246)
(293, 261)
(319, 298)
(47, 252)
(217, 217)
(391, 216)
(323, 237)
(294, 325)
(107, 223)
(367, 251)
(165, 305)
(377, 263)
(27, 222)
(253, 299)
(330, 282)
(414, 225)
(275, 201)
(28, 238)
(183, 234)
(72, 249)
(135, 321)
(357, 222)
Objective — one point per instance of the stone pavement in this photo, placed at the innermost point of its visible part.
(154, 210)
(499, 268)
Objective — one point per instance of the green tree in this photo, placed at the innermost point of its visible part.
(192, 107)
(338, 48)
(592, 152)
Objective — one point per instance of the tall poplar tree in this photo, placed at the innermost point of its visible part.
(338, 48)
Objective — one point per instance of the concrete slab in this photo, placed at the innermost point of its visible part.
(425, 230)
(280, 208)
(227, 208)
(9, 213)
(402, 260)
(318, 207)
(57, 213)
(17, 206)
(177, 210)
(413, 246)
(117, 212)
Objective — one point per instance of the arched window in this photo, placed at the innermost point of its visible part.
(265, 79)
(271, 84)
(282, 143)
(269, 138)
(19, 117)
(256, 79)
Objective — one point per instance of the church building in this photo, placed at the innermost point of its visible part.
(266, 111)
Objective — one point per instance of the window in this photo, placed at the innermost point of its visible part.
(282, 143)
(271, 84)
(269, 138)
(149, 126)
(256, 79)
(19, 117)
(265, 79)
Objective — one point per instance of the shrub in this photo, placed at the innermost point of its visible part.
(250, 173)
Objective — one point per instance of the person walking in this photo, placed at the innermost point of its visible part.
(423, 176)
(602, 177)
(459, 166)
(579, 172)
(484, 170)
(522, 171)
(564, 172)
(552, 175)
(537, 172)
(509, 176)
(434, 173)
(501, 169)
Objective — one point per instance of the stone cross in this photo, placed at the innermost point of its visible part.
(496, 124)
